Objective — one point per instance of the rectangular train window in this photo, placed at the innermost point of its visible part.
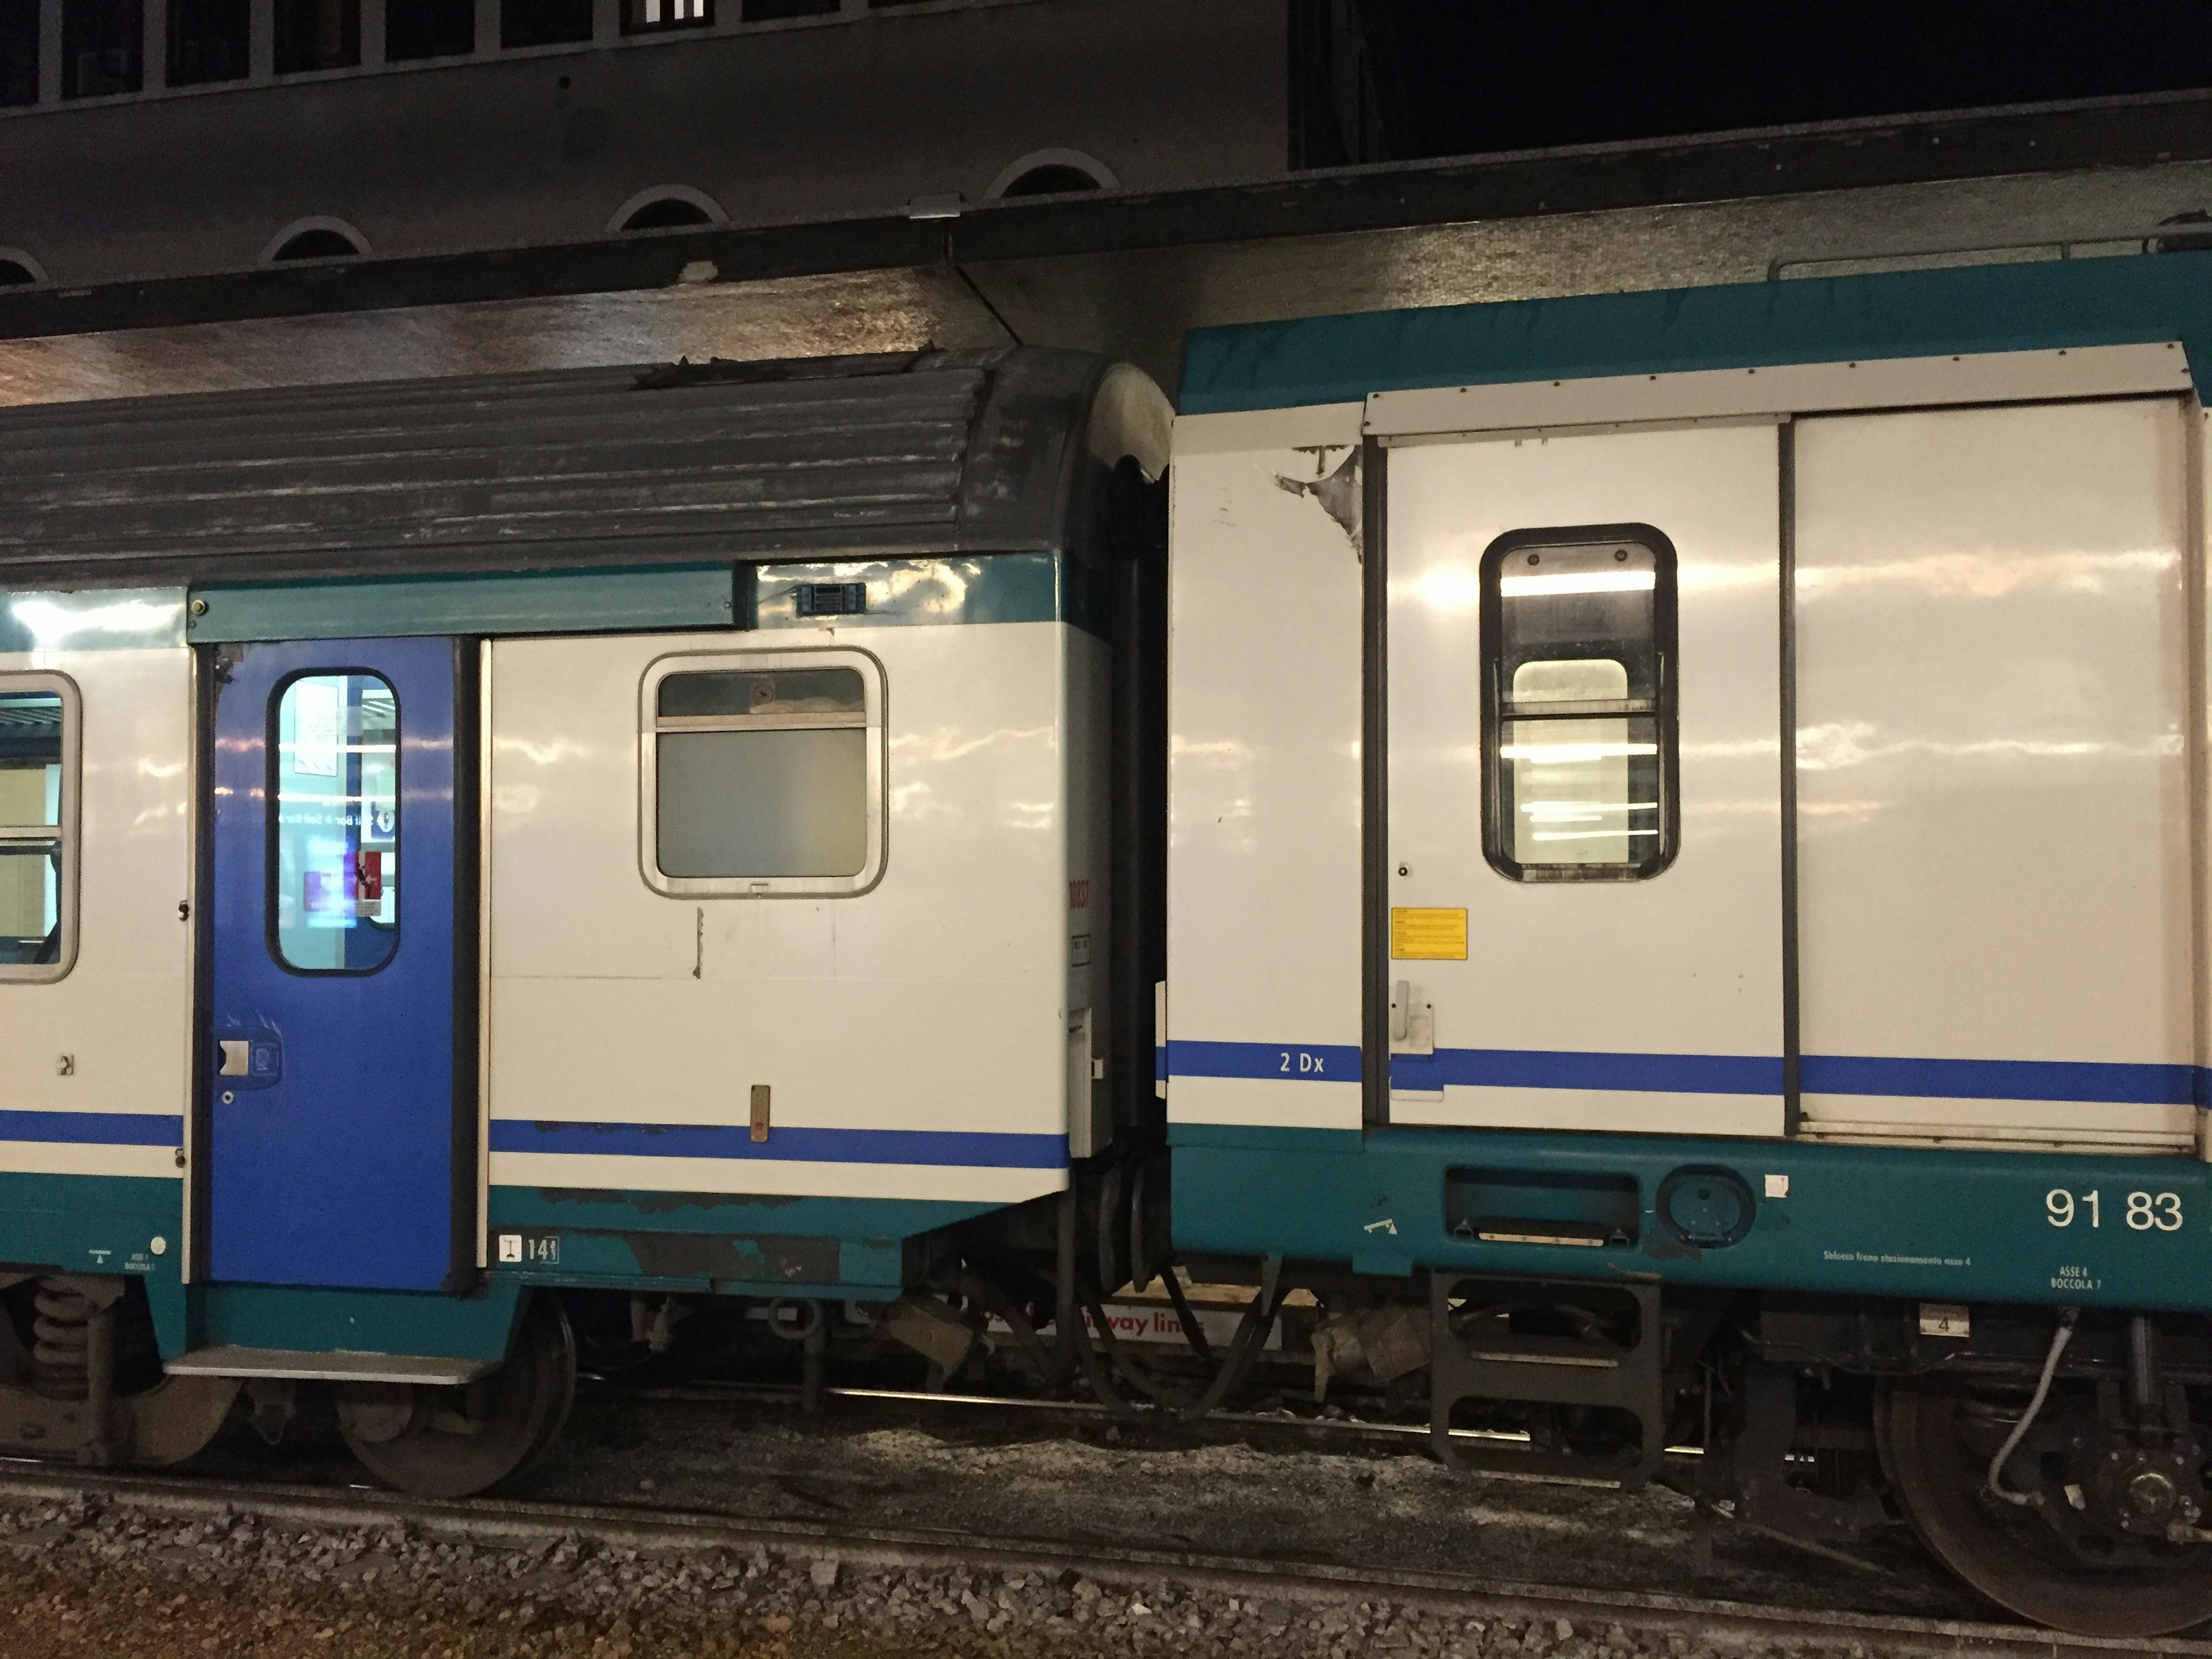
(335, 860)
(1578, 704)
(763, 774)
(37, 826)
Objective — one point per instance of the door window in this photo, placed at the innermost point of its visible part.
(1577, 646)
(761, 774)
(38, 805)
(335, 862)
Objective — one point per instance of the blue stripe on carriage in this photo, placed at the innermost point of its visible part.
(1819, 1074)
(95, 1129)
(1286, 1062)
(1539, 1068)
(971, 1149)
(2004, 1080)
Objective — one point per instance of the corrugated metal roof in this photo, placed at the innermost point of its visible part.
(968, 451)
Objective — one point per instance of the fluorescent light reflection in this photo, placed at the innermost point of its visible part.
(1547, 811)
(1570, 753)
(1579, 582)
(1589, 835)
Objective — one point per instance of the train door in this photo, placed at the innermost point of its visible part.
(339, 1086)
(1584, 839)
(1994, 777)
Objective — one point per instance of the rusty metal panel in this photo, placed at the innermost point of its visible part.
(969, 450)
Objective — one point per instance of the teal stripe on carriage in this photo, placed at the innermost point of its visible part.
(756, 1244)
(557, 602)
(1950, 1224)
(976, 589)
(2008, 308)
(421, 1324)
(105, 1224)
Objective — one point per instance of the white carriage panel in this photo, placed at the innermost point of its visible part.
(1264, 779)
(1684, 965)
(836, 1053)
(934, 1002)
(122, 1014)
(1600, 1111)
(1994, 807)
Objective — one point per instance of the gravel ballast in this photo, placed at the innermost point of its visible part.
(94, 1575)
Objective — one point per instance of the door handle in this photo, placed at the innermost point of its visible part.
(249, 1059)
(1399, 998)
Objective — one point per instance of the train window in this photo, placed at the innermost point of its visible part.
(762, 774)
(334, 763)
(1578, 645)
(38, 817)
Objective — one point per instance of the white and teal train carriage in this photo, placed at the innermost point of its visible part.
(1644, 859)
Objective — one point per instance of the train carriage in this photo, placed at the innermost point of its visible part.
(1718, 805)
(1645, 858)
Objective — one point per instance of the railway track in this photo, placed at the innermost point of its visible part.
(523, 1525)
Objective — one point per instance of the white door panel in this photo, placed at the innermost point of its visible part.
(1994, 817)
(1641, 1005)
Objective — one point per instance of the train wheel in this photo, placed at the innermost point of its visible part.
(456, 1442)
(2059, 1561)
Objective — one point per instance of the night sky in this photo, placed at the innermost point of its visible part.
(1475, 76)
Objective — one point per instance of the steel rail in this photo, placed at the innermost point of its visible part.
(516, 1523)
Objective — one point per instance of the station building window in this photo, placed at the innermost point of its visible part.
(428, 28)
(645, 16)
(210, 41)
(101, 42)
(317, 35)
(334, 789)
(39, 717)
(19, 52)
(544, 22)
(1579, 646)
(762, 774)
(775, 11)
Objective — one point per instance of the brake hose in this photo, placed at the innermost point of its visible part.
(2058, 1341)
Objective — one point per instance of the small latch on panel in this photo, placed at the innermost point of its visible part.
(760, 1111)
(1412, 1020)
(237, 1056)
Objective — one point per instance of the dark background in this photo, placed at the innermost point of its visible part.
(1454, 77)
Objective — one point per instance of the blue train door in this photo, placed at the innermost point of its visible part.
(341, 1088)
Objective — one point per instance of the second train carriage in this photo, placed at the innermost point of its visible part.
(1670, 880)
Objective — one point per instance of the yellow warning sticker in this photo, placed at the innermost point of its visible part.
(1428, 935)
